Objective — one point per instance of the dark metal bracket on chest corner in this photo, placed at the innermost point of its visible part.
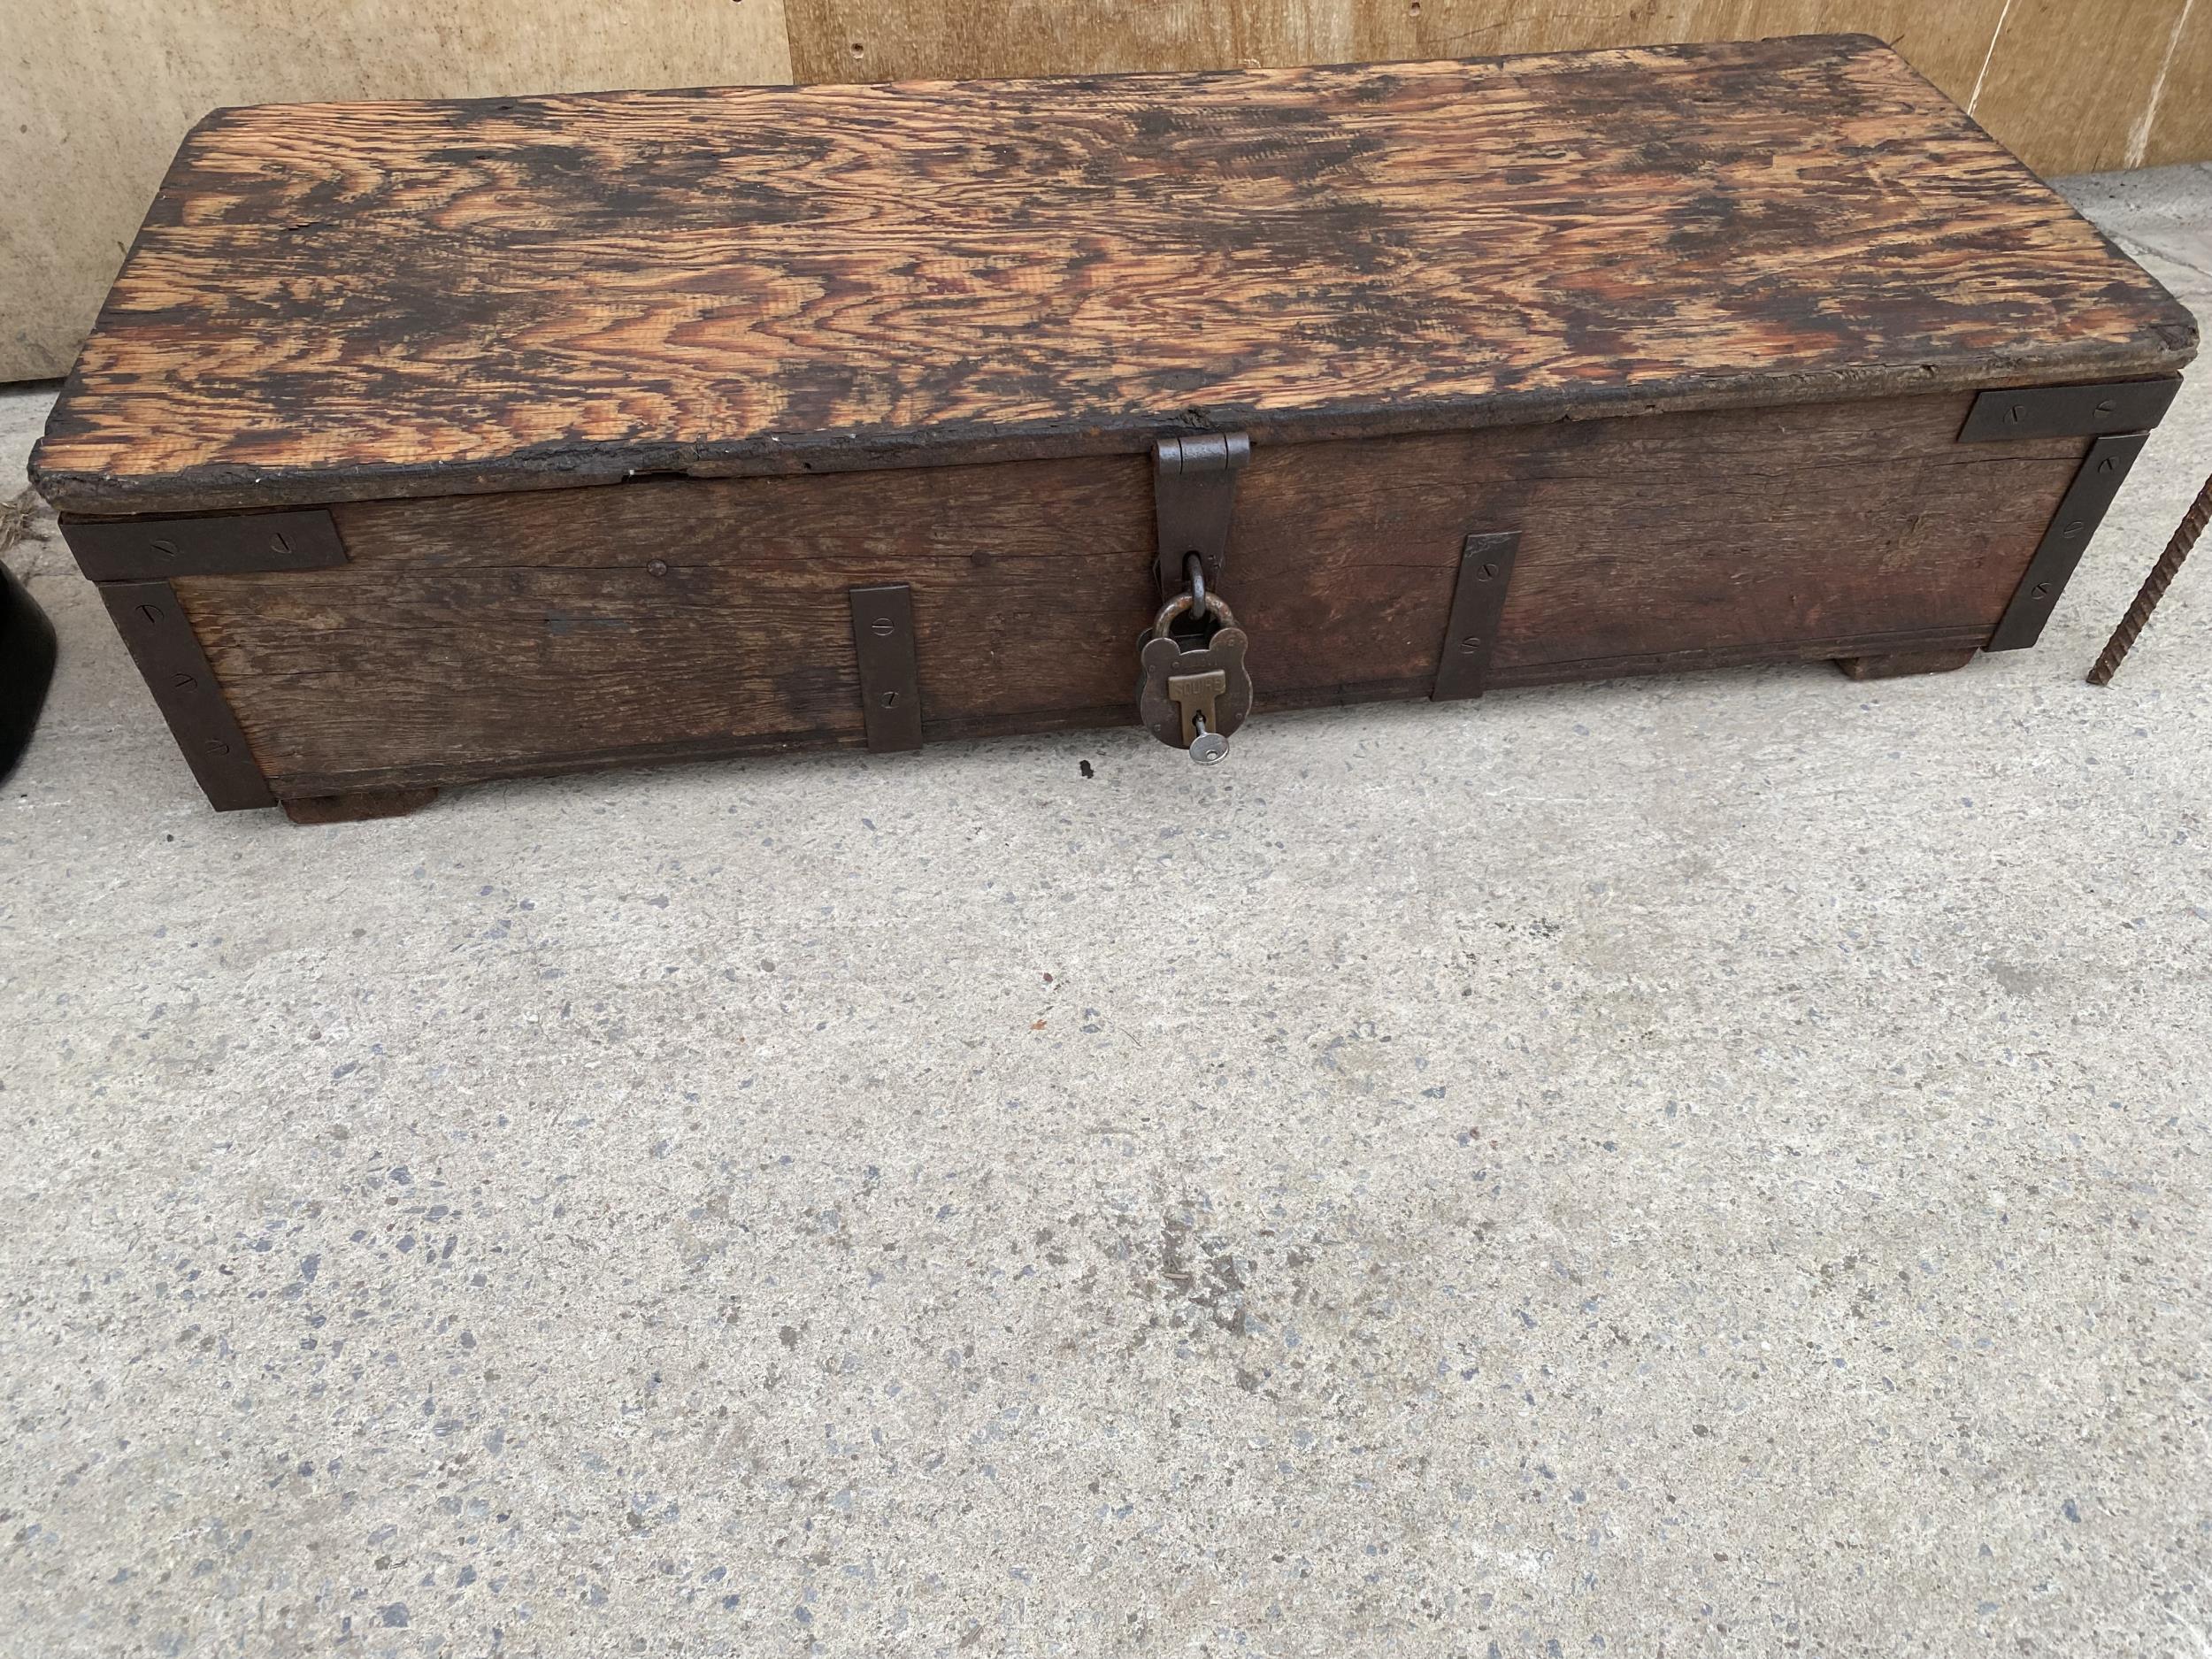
(2087, 500)
(162, 643)
(2070, 412)
(155, 550)
(1193, 500)
(2118, 415)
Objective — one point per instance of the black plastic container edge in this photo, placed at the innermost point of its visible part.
(27, 667)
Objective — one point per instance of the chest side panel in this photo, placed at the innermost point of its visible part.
(479, 636)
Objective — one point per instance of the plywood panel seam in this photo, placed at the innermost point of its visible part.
(2139, 139)
(1989, 57)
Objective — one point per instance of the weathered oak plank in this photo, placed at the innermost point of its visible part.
(335, 302)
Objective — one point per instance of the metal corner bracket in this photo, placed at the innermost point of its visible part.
(2070, 412)
(2087, 500)
(219, 544)
(168, 653)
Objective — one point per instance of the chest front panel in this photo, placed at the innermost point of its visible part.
(469, 636)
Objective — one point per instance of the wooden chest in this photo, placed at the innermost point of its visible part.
(421, 443)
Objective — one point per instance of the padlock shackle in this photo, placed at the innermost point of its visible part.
(1182, 602)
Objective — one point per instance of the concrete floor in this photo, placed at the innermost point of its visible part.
(1701, 1165)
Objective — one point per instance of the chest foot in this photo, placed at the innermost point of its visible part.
(349, 809)
(1896, 664)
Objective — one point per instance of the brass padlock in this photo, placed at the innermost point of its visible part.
(1192, 693)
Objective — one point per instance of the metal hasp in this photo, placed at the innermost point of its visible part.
(154, 626)
(890, 682)
(1193, 498)
(155, 550)
(2086, 502)
(1485, 565)
(2070, 412)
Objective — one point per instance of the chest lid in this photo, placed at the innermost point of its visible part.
(343, 301)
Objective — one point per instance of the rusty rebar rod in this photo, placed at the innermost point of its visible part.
(2154, 589)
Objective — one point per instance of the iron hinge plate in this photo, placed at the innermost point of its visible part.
(1485, 565)
(2070, 412)
(162, 643)
(155, 550)
(2087, 500)
(1194, 499)
(890, 682)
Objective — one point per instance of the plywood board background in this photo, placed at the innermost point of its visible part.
(879, 39)
(95, 94)
(2073, 86)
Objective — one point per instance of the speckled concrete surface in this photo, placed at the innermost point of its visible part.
(1708, 1165)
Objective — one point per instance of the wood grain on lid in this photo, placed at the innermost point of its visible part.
(356, 300)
